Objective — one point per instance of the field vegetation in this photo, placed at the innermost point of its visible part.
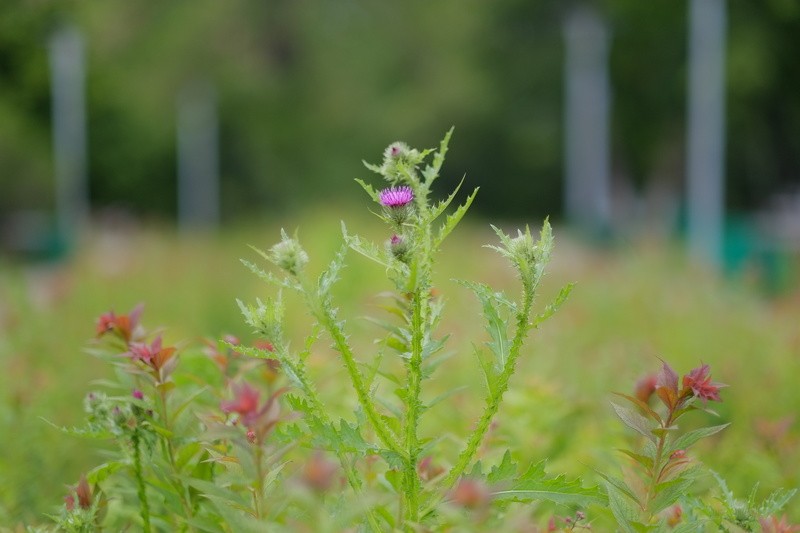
(631, 306)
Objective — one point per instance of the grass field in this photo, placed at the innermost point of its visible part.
(632, 305)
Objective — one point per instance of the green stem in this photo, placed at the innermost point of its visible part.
(298, 369)
(181, 489)
(493, 401)
(657, 468)
(258, 456)
(410, 476)
(140, 486)
(383, 432)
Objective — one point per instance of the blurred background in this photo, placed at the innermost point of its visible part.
(280, 100)
(142, 144)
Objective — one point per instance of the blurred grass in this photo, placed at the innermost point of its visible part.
(631, 306)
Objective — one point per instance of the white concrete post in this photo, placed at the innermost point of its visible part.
(706, 129)
(587, 106)
(66, 53)
(198, 158)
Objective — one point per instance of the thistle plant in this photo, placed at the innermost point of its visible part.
(416, 227)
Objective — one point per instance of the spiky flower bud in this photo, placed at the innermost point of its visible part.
(289, 255)
(399, 247)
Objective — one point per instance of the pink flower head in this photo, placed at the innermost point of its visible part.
(258, 419)
(245, 403)
(84, 493)
(700, 382)
(137, 394)
(123, 325)
(396, 196)
(771, 524)
(154, 355)
(645, 387)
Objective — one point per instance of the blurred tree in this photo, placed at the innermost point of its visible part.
(303, 87)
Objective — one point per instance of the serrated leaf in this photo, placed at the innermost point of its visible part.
(100, 473)
(84, 433)
(454, 218)
(535, 485)
(439, 208)
(351, 439)
(488, 369)
(689, 438)
(506, 470)
(776, 501)
(393, 459)
(367, 249)
(375, 195)
(496, 325)
(331, 274)
(431, 172)
(635, 421)
(555, 305)
(395, 479)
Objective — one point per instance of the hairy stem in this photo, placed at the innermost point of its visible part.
(325, 316)
(180, 488)
(298, 369)
(493, 401)
(144, 508)
(410, 477)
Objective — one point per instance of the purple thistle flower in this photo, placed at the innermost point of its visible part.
(396, 196)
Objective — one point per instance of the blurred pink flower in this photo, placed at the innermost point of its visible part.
(700, 382)
(123, 326)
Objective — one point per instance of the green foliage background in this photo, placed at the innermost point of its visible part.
(304, 85)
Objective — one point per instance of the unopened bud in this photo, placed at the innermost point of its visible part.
(472, 494)
(289, 255)
(399, 247)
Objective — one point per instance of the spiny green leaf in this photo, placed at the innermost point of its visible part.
(506, 470)
(454, 218)
(554, 306)
(331, 274)
(535, 485)
(375, 195)
(432, 171)
(489, 371)
(776, 501)
(367, 249)
(269, 277)
(496, 325)
(439, 208)
(84, 433)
